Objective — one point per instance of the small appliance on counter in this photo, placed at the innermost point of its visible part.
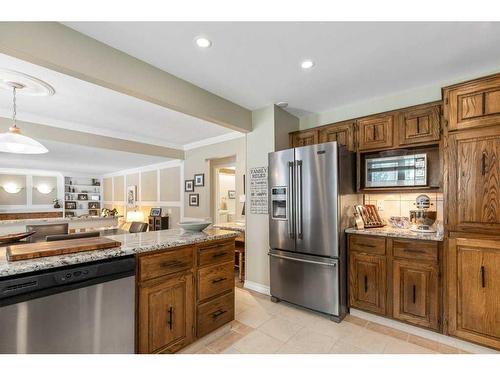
(422, 219)
(369, 215)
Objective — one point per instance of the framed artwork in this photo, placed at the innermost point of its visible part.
(194, 200)
(199, 179)
(188, 186)
(231, 194)
(95, 198)
(93, 212)
(94, 205)
(70, 205)
(131, 195)
(155, 212)
(83, 197)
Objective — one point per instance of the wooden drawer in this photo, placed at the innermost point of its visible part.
(215, 279)
(218, 253)
(214, 314)
(367, 244)
(168, 262)
(414, 249)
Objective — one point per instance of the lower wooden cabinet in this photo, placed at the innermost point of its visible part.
(474, 290)
(367, 281)
(415, 293)
(165, 312)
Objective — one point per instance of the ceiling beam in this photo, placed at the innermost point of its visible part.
(39, 131)
(62, 49)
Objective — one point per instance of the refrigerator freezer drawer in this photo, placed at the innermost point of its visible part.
(308, 281)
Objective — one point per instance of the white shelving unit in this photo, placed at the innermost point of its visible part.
(75, 187)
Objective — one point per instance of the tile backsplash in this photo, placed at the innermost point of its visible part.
(401, 204)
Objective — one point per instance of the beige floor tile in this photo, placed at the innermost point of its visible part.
(370, 341)
(309, 342)
(298, 316)
(388, 331)
(231, 350)
(432, 345)
(336, 330)
(240, 306)
(344, 348)
(204, 350)
(355, 320)
(253, 317)
(257, 342)
(240, 327)
(401, 347)
(225, 341)
(280, 328)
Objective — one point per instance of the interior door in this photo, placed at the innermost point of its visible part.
(281, 218)
(316, 208)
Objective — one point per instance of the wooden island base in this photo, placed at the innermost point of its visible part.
(182, 294)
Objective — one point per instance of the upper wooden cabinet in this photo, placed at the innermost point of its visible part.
(304, 138)
(376, 132)
(342, 132)
(419, 124)
(473, 165)
(473, 104)
(474, 291)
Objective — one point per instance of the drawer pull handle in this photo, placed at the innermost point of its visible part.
(172, 263)
(483, 281)
(483, 164)
(414, 294)
(366, 284)
(217, 255)
(218, 313)
(170, 321)
(215, 281)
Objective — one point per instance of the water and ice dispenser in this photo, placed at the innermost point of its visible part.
(279, 200)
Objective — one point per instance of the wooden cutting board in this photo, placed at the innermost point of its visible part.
(47, 249)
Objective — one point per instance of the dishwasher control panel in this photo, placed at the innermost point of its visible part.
(76, 274)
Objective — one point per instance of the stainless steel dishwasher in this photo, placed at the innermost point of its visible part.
(87, 308)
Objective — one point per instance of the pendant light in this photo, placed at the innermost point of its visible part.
(13, 141)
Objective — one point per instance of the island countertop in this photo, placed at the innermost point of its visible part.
(133, 243)
(397, 233)
(236, 226)
(50, 220)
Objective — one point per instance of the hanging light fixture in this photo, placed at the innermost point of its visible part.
(13, 141)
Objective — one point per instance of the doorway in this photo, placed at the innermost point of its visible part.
(223, 190)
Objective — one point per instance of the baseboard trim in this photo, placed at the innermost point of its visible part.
(256, 287)
(444, 339)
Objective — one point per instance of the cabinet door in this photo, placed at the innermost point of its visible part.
(419, 125)
(375, 132)
(165, 314)
(474, 271)
(474, 183)
(473, 104)
(304, 138)
(415, 293)
(367, 282)
(343, 133)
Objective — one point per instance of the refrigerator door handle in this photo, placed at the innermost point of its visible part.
(302, 260)
(299, 198)
(289, 203)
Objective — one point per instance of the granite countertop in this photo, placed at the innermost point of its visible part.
(388, 231)
(239, 227)
(57, 219)
(133, 243)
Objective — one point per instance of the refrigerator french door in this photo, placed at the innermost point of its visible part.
(307, 254)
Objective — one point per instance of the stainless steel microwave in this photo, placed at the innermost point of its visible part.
(394, 171)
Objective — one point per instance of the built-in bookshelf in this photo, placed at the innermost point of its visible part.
(82, 196)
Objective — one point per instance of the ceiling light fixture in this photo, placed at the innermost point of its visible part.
(44, 189)
(12, 188)
(13, 141)
(282, 104)
(307, 64)
(203, 42)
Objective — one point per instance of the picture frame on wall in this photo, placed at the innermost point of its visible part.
(83, 197)
(199, 179)
(94, 205)
(194, 200)
(156, 212)
(189, 186)
(131, 195)
(231, 194)
(70, 205)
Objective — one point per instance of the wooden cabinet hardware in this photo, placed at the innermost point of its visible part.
(483, 283)
(170, 321)
(218, 313)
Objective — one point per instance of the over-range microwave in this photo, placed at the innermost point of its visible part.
(396, 171)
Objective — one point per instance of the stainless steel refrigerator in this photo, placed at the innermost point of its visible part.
(312, 193)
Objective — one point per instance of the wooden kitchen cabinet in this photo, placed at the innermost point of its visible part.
(375, 132)
(474, 290)
(165, 314)
(420, 124)
(367, 282)
(304, 138)
(474, 180)
(342, 133)
(473, 104)
(415, 293)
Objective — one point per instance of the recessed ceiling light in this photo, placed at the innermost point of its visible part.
(203, 42)
(307, 64)
(282, 104)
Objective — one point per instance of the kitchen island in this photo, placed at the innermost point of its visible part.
(183, 286)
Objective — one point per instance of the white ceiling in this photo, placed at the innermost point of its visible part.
(78, 159)
(80, 105)
(255, 64)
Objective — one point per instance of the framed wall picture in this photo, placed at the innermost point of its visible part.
(83, 197)
(131, 195)
(231, 194)
(95, 198)
(155, 212)
(188, 186)
(94, 205)
(194, 200)
(199, 179)
(70, 205)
